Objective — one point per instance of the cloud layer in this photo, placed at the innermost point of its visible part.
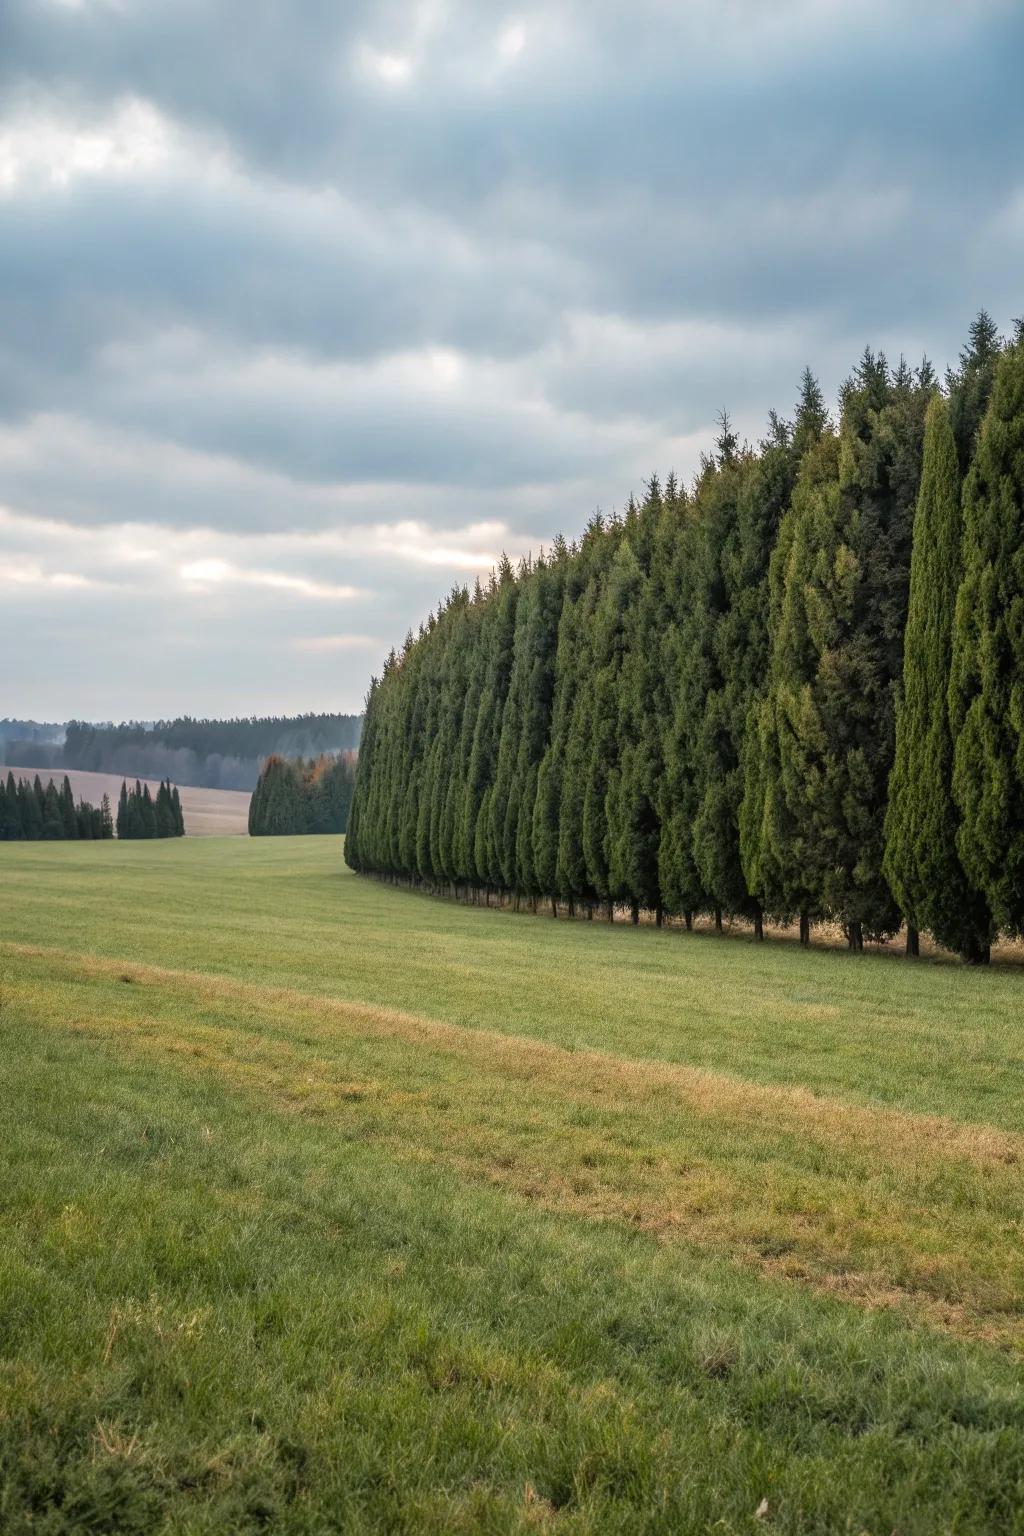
(306, 312)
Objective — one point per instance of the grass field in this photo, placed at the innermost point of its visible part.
(327, 1206)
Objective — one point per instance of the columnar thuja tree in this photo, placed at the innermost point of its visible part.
(571, 868)
(922, 864)
(739, 507)
(784, 747)
(743, 644)
(987, 681)
(633, 820)
(969, 385)
(604, 749)
(551, 804)
(539, 648)
(839, 649)
(685, 666)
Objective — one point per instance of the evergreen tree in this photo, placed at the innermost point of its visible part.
(713, 656)
(605, 878)
(122, 811)
(30, 799)
(633, 815)
(921, 860)
(148, 814)
(547, 806)
(572, 868)
(68, 814)
(12, 830)
(685, 664)
(987, 679)
(840, 650)
(164, 814)
(53, 813)
(480, 828)
(970, 385)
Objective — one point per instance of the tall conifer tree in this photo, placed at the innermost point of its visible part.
(987, 681)
(921, 860)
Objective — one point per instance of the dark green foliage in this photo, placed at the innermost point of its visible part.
(298, 796)
(987, 682)
(970, 385)
(141, 814)
(921, 860)
(29, 813)
(837, 654)
(633, 813)
(694, 708)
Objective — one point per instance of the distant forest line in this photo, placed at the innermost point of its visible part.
(209, 754)
(792, 689)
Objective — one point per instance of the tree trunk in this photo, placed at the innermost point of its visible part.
(805, 930)
(718, 919)
(610, 909)
(855, 938)
(590, 911)
(913, 942)
(659, 915)
(759, 924)
(688, 920)
(977, 954)
(554, 906)
(634, 913)
(572, 907)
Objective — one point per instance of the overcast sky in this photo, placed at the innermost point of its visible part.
(309, 309)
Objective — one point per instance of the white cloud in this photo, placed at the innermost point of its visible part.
(43, 150)
(18, 571)
(318, 643)
(213, 572)
(390, 68)
(511, 40)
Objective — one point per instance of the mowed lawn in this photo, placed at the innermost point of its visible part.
(327, 1206)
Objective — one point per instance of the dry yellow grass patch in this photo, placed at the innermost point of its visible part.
(882, 1206)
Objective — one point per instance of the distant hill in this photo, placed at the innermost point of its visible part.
(207, 754)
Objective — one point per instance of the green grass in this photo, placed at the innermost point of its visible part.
(326, 1206)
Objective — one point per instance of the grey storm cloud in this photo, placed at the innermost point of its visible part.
(314, 267)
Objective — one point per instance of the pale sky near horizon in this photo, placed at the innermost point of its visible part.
(308, 311)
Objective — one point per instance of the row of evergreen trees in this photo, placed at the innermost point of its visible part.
(795, 689)
(295, 795)
(30, 813)
(140, 814)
